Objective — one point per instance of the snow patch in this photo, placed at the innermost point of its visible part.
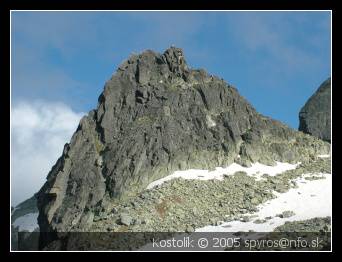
(27, 222)
(311, 199)
(256, 170)
(324, 156)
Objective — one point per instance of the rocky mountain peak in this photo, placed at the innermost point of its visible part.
(175, 59)
(156, 116)
(145, 66)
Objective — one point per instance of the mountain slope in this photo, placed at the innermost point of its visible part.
(156, 116)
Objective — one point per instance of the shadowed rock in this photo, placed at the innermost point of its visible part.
(314, 117)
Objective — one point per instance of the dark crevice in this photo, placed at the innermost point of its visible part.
(200, 91)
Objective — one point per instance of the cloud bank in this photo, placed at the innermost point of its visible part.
(39, 131)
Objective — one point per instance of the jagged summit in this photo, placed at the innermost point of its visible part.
(171, 61)
(175, 59)
(156, 116)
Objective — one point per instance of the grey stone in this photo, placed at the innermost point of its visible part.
(255, 200)
(259, 221)
(315, 116)
(318, 224)
(114, 210)
(96, 219)
(189, 229)
(281, 188)
(286, 214)
(126, 219)
(245, 219)
(137, 221)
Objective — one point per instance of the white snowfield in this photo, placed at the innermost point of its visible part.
(312, 198)
(27, 222)
(256, 170)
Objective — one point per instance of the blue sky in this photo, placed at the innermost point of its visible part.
(275, 59)
(63, 59)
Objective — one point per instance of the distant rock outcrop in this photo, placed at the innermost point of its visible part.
(24, 222)
(315, 116)
(156, 116)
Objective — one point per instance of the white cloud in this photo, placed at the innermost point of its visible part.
(39, 131)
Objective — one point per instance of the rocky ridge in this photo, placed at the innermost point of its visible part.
(156, 116)
(181, 205)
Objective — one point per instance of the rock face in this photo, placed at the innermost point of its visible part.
(315, 116)
(156, 116)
